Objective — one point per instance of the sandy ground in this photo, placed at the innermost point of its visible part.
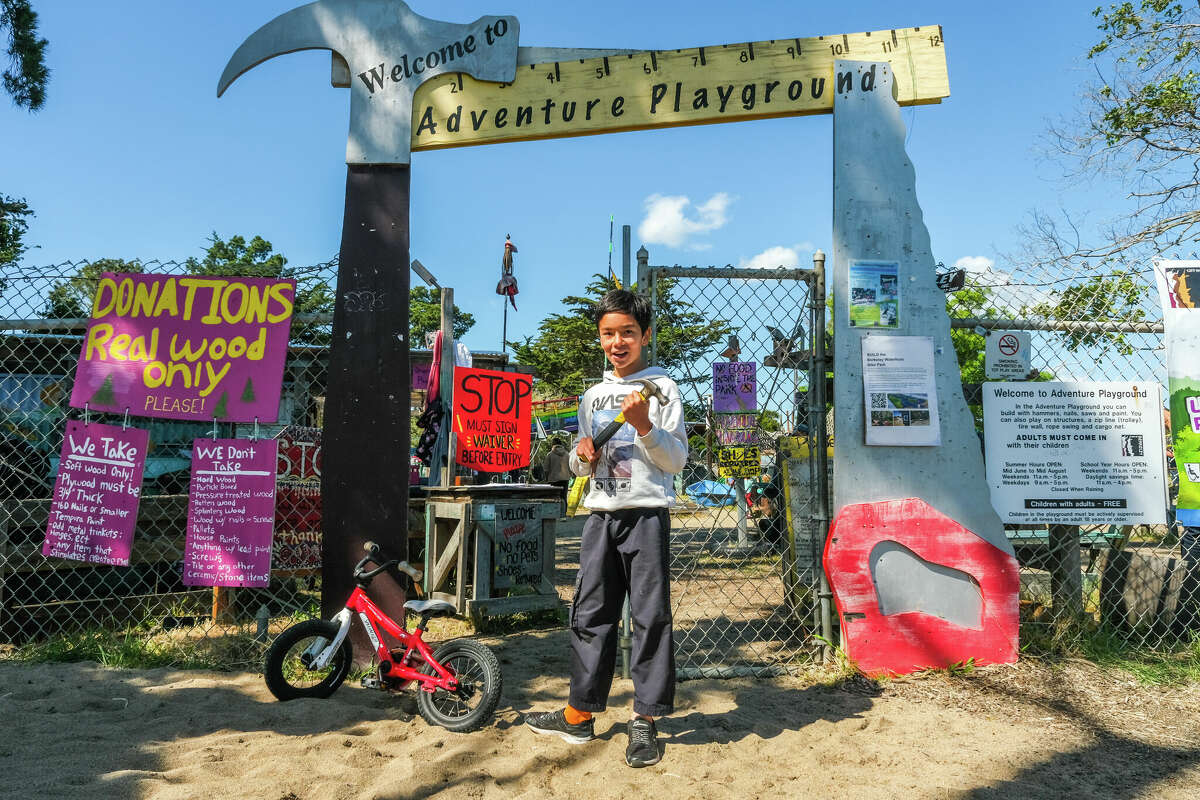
(1031, 731)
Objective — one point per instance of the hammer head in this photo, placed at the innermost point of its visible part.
(390, 51)
(650, 389)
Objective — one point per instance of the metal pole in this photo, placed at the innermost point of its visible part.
(817, 438)
(625, 245)
(504, 330)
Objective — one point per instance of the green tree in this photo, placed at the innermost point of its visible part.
(425, 315)
(71, 298)
(13, 225)
(257, 258)
(27, 75)
(1139, 123)
(566, 350)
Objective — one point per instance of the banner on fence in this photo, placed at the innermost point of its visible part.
(560, 414)
(738, 462)
(1075, 453)
(735, 386)
(231, 512)
(1179, 290)
(192, 347)
(492, 419)
(96, 494)
(297, 541)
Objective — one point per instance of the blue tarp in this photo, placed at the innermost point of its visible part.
(711, 493)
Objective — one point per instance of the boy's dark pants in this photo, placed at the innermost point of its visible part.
(620, 550)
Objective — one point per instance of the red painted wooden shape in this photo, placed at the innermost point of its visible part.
(909, 641)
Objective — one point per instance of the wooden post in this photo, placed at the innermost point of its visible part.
(446, 388)
(366, 439)
(1066, 579)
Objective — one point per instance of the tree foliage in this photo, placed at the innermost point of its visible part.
(425, 315)
(71, 298)
(566, 350)
(27, 75)
(1138, 123)
(257, 258)
(13, 225)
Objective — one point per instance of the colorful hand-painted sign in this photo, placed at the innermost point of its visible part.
(738, 462)
(297, 541)
(734, 429)
(190, 347)
(95, 505)
(231, 513)
(735, 386)
(491, 418)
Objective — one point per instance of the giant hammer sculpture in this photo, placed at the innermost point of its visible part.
(366, 431)
(383, 52)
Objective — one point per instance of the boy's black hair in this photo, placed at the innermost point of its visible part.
(624, 301)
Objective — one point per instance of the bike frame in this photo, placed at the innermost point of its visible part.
(377, 623)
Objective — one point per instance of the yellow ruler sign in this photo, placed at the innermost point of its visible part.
(665, 88)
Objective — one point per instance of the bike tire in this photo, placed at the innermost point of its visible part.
(480, 680)
(282, 662)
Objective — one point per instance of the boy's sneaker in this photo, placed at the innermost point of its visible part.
(643, 743)
(555, 722)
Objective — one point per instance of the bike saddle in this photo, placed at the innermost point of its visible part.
(431, 608)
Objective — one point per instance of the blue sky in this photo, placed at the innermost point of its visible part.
(135, 157)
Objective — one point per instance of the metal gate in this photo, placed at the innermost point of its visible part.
(746, 583)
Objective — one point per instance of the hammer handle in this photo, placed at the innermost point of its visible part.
(610, 430)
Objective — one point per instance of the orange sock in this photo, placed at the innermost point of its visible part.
(575, 716)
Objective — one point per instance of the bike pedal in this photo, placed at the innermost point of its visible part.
(372, 683)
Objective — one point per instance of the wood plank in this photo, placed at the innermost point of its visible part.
(511, 605)
(446, 559)
(667, 88)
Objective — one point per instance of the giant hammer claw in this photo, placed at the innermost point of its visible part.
(391, 51)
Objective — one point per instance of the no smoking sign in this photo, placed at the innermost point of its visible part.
(1007, 355)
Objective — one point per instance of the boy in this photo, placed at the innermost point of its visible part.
(624, 546)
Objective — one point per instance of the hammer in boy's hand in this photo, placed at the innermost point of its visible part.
(649, 389)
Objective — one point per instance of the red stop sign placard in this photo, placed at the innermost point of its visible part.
(492, 419)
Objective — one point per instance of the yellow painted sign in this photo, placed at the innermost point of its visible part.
(738, 462)
(666, 88)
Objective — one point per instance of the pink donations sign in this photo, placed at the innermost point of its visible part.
(186, 347)
(231, 513)
(96, 494)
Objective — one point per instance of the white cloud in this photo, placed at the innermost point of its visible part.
(666, 220)
(778, 257)
(1008, 293)
(975, 265)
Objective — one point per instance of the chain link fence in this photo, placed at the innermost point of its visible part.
(744, 553)
(745, 559)
(44, 313)
(1123, 586)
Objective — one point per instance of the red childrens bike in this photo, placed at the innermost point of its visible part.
(458, 685)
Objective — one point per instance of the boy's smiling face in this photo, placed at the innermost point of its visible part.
(622, 340)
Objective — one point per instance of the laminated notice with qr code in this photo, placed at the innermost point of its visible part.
(900, 391)
(1075, 453)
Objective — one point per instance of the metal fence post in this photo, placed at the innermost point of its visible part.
(817, 438)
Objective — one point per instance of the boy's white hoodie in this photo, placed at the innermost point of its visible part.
(632, 471)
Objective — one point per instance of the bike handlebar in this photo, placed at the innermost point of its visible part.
(375, 552)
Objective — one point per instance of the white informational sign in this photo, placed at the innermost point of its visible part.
(1006, 355)
(1075, 453)
(900, 391)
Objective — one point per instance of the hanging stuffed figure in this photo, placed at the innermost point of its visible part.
(508, 284)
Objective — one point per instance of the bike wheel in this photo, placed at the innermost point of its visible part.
(479, 682)
(289, 677)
